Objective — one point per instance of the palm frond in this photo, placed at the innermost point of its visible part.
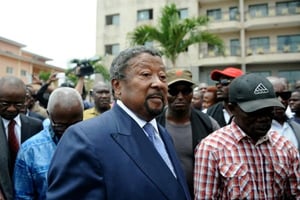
(173, 34)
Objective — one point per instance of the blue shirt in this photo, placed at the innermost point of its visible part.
(32, 164)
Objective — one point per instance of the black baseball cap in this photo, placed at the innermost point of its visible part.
(253, 92)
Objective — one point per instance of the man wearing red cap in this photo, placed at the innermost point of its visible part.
(220, 111)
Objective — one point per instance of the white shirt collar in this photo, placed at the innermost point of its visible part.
(17, 120)
(138, 120)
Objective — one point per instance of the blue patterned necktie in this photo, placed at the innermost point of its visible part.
(158, 144)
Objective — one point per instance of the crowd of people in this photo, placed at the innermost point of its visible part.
(151, 133)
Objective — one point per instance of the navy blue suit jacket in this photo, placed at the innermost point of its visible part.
(110, 157)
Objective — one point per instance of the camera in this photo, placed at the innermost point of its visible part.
(84, 67)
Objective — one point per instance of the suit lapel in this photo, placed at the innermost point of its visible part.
(25, 128)
(136, 144)
(5, 180)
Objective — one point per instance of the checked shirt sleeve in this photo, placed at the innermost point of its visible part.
(294, 177)
(206, 175)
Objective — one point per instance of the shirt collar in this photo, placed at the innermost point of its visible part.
(239, 134)
(17, 120)
(138, 120)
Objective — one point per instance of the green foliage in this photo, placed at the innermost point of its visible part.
(44, 76)
(175, 35)
(101, 69)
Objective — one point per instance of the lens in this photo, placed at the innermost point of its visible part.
(185, 91)
(223, 82)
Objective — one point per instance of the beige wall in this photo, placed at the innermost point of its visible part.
(13, 57)
(197, 59)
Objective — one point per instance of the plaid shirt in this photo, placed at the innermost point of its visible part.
(228, 165)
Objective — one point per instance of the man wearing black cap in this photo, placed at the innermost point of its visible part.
(186, 125)
(220, 111)
(246, 159)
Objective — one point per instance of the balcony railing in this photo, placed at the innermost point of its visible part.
(251, 50)
(272, 12)
(269, 12)
(225, 16)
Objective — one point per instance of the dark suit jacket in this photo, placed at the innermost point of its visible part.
(110, 157)
(296, 128)
(216, 111)
(35, 115)
(30, 126)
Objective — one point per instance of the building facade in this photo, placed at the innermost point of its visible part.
(260, 36)
(20, 63)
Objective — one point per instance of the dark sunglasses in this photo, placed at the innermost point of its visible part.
(223, 82)
(284, 95)
(185, 91)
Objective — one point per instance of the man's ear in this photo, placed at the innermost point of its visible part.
(117, 87)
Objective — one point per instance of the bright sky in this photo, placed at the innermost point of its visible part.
(57, 29)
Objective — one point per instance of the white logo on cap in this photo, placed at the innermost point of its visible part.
(261, 89)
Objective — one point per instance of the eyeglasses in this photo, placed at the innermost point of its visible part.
(223, 82)
(284, 95)
(185, 91)
(5, 105)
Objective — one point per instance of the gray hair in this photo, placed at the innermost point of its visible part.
(65, 96)
(12, 82)
(120, 63)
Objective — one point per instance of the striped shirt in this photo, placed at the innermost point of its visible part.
(229, 165)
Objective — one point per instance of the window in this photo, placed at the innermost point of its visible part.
(288, 7)
(183, 13)
(112, 19)
(212, 50)
(214, 14)
(233, 13)
(260, 10)
(262, 73)
(9, 70)
(292, 76)
(112, 49)
(288, 43)
(23, 72)
(145, 15)
(260, 44)
(235, 47)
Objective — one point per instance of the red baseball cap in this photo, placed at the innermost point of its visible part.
(231, 72)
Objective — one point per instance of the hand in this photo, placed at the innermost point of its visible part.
(52, 78)
(35, 80)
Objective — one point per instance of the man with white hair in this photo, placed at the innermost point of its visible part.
(65, 107)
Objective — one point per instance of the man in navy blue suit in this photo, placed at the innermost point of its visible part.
(110, 156)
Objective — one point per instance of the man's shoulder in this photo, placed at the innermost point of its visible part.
(31, 120)
(280, 142)
(220, 138)
(37, 140)
(216, 106)
(294, 124)
(89, 111)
